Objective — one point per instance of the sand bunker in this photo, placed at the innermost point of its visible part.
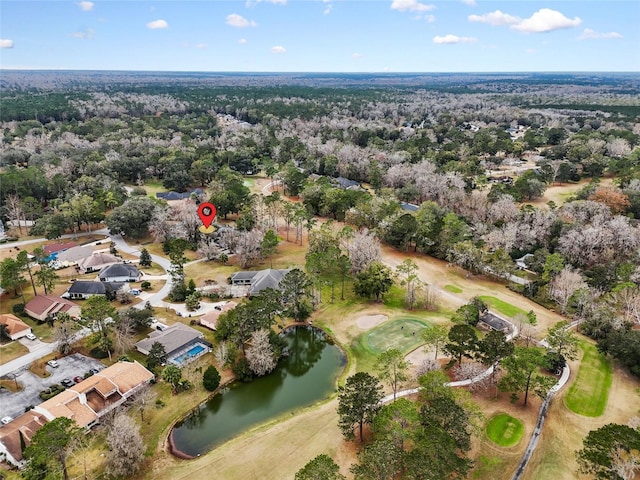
(369, 321)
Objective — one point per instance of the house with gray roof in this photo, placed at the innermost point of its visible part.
(494, 322)
(259, 280)
(120, 272)
(74, 255)
(82, 289)
(175, 339)
(97, 262)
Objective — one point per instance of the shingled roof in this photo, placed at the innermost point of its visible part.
(173, 338)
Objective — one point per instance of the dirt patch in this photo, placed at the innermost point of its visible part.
(366, 322)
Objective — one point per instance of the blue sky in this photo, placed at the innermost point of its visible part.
(321, 35)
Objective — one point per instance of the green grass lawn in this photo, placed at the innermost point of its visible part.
(504, 430)
(453, 289)
(11, 351)
(501, 307)
(402, 333)
(486, 466)
(589, 393)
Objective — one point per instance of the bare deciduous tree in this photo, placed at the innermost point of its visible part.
(363, 249)
(63, 332)
(427, 365)
(260, 353)
(468, 371)
(123, 340)
(564, 285)
(126, 448)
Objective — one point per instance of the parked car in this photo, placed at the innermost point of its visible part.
(94, 371)
(52, 364)
(78, 379)
(67, 382)
(31, 336)
(6, 420)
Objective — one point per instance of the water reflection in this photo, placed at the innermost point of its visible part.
(306, 375)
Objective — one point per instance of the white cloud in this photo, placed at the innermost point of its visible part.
(357, 55)
(429, 18)
(530, 50)
(589, 34)
(546, 20)
(495, 18)
(278, 49)
(201, 45)
(238, 21)
(6, 43)
(328, 9)
(469, 2)
(87, 34)
(251, 3)
(158, 24)
(242, 41)
(86, 6)
(410, 6)
(451, 39)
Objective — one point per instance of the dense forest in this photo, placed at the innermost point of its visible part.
(451, 166)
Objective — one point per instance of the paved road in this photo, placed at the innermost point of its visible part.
(157, 299)
(102, 231)
(27, 359)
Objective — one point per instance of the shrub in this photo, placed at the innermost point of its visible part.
(242, 371)
(211, 378)
(18, 309)
(145, 285)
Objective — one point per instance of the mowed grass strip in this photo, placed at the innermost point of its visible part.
(505, 430)
(453, 289)
(589, 393)
(402, 333)
(501, 306)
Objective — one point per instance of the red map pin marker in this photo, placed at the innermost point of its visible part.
(207, 212)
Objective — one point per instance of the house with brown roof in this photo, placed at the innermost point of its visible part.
(97, 262)
(16, 328)
(86, 403)
(49, 306)
(210, 319)
(97, 395)
(24, 426)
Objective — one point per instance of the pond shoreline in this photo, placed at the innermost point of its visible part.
(175, 440)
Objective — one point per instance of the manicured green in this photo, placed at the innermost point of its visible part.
(402, 333)
(501, 306)
(589, 393)
(453, 289)
(505, 430)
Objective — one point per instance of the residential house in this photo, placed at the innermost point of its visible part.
(97, 262)
(259, 280)
(176, 340)
(73, 255)
(210, 319)
(168, 196)
(494, 322)
(86, 403)
(16, 328)
(345, 183)
(42, 307)
(82, 289)
(54, 249)
(120, 272)
(24, 426)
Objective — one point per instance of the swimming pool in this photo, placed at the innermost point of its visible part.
(193, 352)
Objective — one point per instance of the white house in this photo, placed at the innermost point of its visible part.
(120, 272)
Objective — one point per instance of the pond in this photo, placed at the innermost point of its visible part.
(308, 374)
